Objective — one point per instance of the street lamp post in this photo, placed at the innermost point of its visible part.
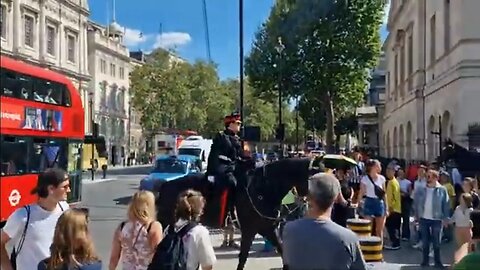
(240, 32)
(92, 123)
(297, 135)
(129, 132)
(280, 48)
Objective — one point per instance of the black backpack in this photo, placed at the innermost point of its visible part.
(171, 253)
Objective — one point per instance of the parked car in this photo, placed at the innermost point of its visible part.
(168, 168)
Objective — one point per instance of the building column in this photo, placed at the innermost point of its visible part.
(420, 139)
(17, 20)
(41, 31)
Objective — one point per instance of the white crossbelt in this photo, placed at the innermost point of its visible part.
(222, 157)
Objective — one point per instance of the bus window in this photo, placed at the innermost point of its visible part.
(13, 155)
(67, 100)
(14, 85)
(48, 92)
(74, 157)
(46, 154)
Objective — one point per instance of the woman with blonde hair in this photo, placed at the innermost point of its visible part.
(72, 246)
(136, 238)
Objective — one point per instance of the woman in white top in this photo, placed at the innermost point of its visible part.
(136, 239)
(463, 223)
(374, 207)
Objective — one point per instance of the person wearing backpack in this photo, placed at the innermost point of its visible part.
(186, 244)
(34, 225)
(135, 239)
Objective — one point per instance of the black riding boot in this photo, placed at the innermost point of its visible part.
(231, 202)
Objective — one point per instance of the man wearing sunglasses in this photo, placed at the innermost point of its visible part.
(33, 226)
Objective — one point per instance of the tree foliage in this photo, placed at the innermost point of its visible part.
(180, 95)
(328, 48)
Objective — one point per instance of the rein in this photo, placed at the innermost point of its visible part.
(275, 219)
(260, 197)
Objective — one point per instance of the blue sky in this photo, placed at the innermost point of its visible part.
(179, 25)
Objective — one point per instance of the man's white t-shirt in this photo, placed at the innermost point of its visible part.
(428, 208)
(370, 189)
(199, 249)
(39, 235)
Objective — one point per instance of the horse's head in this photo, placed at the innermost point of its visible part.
(448, 151)
(295, 172)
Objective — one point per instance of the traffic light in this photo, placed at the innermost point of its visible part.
(280, 132)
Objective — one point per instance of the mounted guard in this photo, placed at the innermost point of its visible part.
(226, 151)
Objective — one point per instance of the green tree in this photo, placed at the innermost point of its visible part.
(156, 88)
(329, 47)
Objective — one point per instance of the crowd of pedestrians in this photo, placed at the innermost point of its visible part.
(427, 210)
(49, 235)
(421, 204)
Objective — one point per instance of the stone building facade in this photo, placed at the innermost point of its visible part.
(109, 65)
(50, 34)
(433, 76)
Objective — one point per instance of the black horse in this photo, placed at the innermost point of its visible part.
(258, 198)
(468, 162)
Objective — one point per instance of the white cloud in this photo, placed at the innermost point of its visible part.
(386, 10)
(132, 37)
(171, 40)
(168, 40)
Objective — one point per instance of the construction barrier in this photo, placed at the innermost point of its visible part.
(371, 247)
(362, 227)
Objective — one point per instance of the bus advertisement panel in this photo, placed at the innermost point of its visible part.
(41, 126)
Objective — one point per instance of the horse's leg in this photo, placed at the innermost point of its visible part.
(272, 237)
(245, 245)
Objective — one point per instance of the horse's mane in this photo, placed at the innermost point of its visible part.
(284, 164)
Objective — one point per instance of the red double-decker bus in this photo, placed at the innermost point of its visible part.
(42, 126)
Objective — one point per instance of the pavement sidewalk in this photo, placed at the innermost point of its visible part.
(120, 167)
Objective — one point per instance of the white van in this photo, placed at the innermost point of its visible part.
(196, 146)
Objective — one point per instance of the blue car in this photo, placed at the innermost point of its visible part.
(169, 168)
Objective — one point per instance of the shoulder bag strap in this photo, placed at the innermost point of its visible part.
(186, 228)
(136, 238)
(22, 238)
(371, 180)
(150, 226)
(61, 207)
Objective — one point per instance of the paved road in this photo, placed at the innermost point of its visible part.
(108, 200)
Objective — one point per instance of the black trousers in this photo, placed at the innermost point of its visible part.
(406, 211)
(393, 223)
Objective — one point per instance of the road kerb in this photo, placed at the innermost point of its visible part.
(87, 181)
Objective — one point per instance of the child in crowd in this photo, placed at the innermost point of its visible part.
(463, 224)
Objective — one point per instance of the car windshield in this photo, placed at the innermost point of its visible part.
(170, 166)
(190, 151)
